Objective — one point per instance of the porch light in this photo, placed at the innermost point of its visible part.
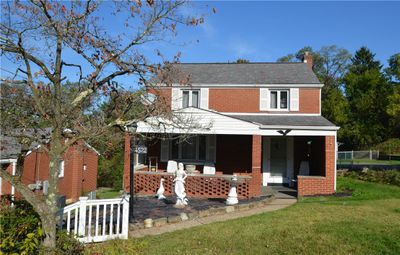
(131, 128)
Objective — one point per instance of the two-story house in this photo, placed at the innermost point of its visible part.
(261, 121)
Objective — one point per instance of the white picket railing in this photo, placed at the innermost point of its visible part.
(97, 220)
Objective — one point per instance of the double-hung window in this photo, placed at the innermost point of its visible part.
(190, 98)
(192, 148)
(279, 99)
(61, 172)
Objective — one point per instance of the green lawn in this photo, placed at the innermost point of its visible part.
(367, 161)
(367, 223)
(104, 193)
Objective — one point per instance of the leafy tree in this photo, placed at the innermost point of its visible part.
(394, 67)
(48, 40)
(367, 91)
(242, 61)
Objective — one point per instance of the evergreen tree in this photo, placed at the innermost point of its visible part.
(367, 90)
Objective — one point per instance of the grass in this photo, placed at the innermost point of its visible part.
(368, 161)
(104, 193)
(366, 223)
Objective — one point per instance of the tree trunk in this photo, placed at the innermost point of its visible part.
(49, 225)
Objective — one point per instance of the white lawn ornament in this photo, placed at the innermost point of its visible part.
(180, 176)
(232, 196)
(161, 190)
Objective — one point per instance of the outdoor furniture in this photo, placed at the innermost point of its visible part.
(209, 168)
(153, 164)
(172, 166)
(304, 168)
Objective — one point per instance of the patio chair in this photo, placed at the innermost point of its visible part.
(209, 168)
(304, 168)
(172, 166)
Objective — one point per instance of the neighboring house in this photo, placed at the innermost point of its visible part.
(262, 121)
(78, 173)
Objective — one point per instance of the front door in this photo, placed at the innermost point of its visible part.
(277, 159)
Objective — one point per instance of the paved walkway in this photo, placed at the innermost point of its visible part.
(273, 206)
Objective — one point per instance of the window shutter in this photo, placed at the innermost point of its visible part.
(294, 99)
(264, 102)
(164, 150)
(176, 99)
(211, 148)
(204, 98)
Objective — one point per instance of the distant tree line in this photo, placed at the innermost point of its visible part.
(359, 95)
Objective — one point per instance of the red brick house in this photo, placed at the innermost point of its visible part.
(78, 173)
(262, 122)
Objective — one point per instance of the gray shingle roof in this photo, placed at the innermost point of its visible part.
(286, 120)
(9, 147)
(251, 73)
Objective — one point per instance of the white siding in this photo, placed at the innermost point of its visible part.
(294, 99)
(204, 98)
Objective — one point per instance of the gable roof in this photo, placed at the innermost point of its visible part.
(250, 73)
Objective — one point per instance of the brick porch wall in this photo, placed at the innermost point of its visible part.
(320, 185)
(256, 156)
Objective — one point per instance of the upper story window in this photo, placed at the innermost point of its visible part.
(279, 99)
(190, 98)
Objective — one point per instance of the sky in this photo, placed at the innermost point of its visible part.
(264, 31)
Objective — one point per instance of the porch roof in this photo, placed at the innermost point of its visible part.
(200, 121)
(286, 120)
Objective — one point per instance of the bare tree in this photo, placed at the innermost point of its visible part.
(50, 42)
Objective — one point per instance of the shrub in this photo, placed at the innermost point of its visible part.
(389, 147)
(21, 231)
(380, 176)
(20, 228)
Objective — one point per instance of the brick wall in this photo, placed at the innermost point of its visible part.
(256, 158)
(127, 158)
(6, 186)
(75, 181)
(320, 185)
(245, 99)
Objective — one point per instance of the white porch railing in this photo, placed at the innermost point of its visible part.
(97, 220)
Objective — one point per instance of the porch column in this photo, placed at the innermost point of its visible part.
(127, 161)
(256, 155)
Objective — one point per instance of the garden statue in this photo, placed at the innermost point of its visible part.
(232, 196)
(180, 176)
(161, 189)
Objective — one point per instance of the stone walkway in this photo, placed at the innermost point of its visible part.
(274, 205)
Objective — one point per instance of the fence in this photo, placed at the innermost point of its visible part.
(351, 155)
(97, 220)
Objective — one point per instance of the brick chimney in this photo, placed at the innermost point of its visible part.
(307, 58)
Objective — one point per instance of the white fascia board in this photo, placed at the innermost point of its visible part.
(270, 114)
(274, 132)
(6, 161)
(300, 127)
(283, 85)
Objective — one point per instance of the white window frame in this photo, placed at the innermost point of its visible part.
(191, 97)
(197, 151)
(62, 167)
(278, 100)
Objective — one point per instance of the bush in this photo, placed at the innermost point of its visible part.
(391, 177)
(389, 147)
(21, 231)
(20, 228)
